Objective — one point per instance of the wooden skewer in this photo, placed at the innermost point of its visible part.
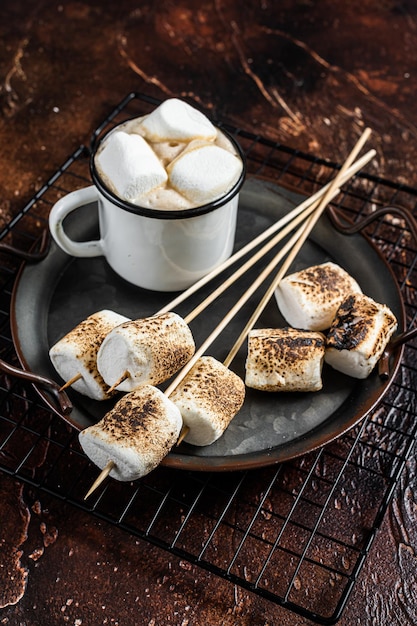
(309, 207)
(304, 232)
(100, 478)
(71, 381)
(78, 376)
(229, 316)
(250, 262)
(118, 382)
(184, 432)
(215, 333)
(293, 245)
(293, 223)
(231, 313)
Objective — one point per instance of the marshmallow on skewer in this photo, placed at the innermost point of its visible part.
(209, 397)
(177, 120)
(130, 165)
(76, 353)
(149, 350)
(204, 171)
(285, 359)
(309, 299)
(135, 435)
(359, 335)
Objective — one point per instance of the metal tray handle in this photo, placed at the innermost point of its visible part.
(60, 396)
(30, 257)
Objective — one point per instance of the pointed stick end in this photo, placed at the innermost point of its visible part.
(118, 382)
(71, 381)
(184, 432)
(100, 478)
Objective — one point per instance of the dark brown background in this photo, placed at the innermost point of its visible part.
(310, 74)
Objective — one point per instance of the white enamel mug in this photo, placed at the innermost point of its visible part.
(162, 250)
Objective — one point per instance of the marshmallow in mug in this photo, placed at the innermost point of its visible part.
(131, 165)
(172, 158)
(203, 171)
(178, 121)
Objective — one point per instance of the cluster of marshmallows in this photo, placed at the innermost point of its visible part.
(174, 147)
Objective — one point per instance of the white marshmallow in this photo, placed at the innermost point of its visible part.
(177, 120)
(136, 434)
(76, 353)
(130, 165)
(204, 172)
(209, 397)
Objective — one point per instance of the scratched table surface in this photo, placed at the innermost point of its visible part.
(309, 74)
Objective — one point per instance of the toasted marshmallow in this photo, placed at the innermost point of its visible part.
(177, 120)
(136, 434)
(149, 350)
(309, 299)
(76, 353)
(284, 359)
(209, 397)
(130, 165)
(359, 335)
(204, 171)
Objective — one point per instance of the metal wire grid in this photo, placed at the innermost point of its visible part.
(296, 534)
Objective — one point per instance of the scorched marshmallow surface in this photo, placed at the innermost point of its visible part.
(149, 350)
(309, 299)
(136, 434)
(76, 353)
(285, 359)
(358, 335)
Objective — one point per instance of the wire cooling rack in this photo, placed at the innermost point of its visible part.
(296, 533)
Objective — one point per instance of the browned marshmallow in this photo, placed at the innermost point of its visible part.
(359, 334)
(284, 359)
(309, 299)
(136, 434)
(148, 350)
(76, 353)
(209, 397)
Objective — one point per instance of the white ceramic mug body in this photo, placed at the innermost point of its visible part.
(158, 250)
(162, 254)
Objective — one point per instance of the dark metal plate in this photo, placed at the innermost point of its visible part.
(51, 297)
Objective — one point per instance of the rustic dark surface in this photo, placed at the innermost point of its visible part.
(311, 74)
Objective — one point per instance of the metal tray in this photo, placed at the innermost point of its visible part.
(51, 297)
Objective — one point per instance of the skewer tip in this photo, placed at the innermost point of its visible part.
(71, 381)
(184, 432)
(100, 478)
(118, 382)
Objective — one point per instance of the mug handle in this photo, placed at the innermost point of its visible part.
(60, 210)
